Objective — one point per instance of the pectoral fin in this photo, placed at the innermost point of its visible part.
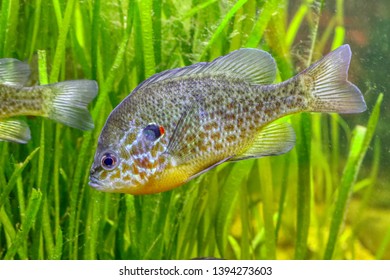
(274, 139)
(14, 131)
(178, 146)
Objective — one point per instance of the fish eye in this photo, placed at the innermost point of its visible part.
(109, 161)
(152, 132)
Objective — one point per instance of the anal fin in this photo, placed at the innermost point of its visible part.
(14, 131)
(273, 139)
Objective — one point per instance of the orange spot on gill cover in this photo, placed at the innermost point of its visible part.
(162, 130)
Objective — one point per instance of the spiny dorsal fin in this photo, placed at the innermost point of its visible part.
(274, 139)
(255, 66)
(13, 130)
(13, 72)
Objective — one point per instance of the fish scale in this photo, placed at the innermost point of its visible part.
(211, 113)
(16, 100)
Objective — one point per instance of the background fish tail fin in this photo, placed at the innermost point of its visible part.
(332, 91)
(69, 105)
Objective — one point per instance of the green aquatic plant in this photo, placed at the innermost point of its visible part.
(290, 206)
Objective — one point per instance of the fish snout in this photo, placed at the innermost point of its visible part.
(94, 182)
(92, 171)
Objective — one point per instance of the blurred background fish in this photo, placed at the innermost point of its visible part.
(65, 102)
(182, 122)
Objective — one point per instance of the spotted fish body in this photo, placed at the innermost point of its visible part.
(65, 102)
(182, 122)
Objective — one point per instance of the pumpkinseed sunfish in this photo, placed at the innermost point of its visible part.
(180, 123)
(65, 102)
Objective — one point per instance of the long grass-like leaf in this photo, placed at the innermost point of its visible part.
(4, 16)
(385, 245)
(347, 181)
(201, 6)
(37, 17)
(31, 212)
(359, 144)
(304, 186)
(265, 16)
(10, 232)
(221, 27)
(265, 170)
(145, 7)
(18, 170)
(296, 23)
(61, 44)
(229, 195)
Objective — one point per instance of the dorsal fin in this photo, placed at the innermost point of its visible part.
(13, 72)
(253, 65)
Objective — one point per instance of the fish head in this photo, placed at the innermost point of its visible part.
(129, 162)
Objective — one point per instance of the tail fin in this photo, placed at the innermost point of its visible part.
(332, 91)
(69, 105)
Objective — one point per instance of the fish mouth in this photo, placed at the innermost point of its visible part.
(95, 183)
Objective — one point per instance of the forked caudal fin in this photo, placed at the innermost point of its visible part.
(69, 104)
(332, 92)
